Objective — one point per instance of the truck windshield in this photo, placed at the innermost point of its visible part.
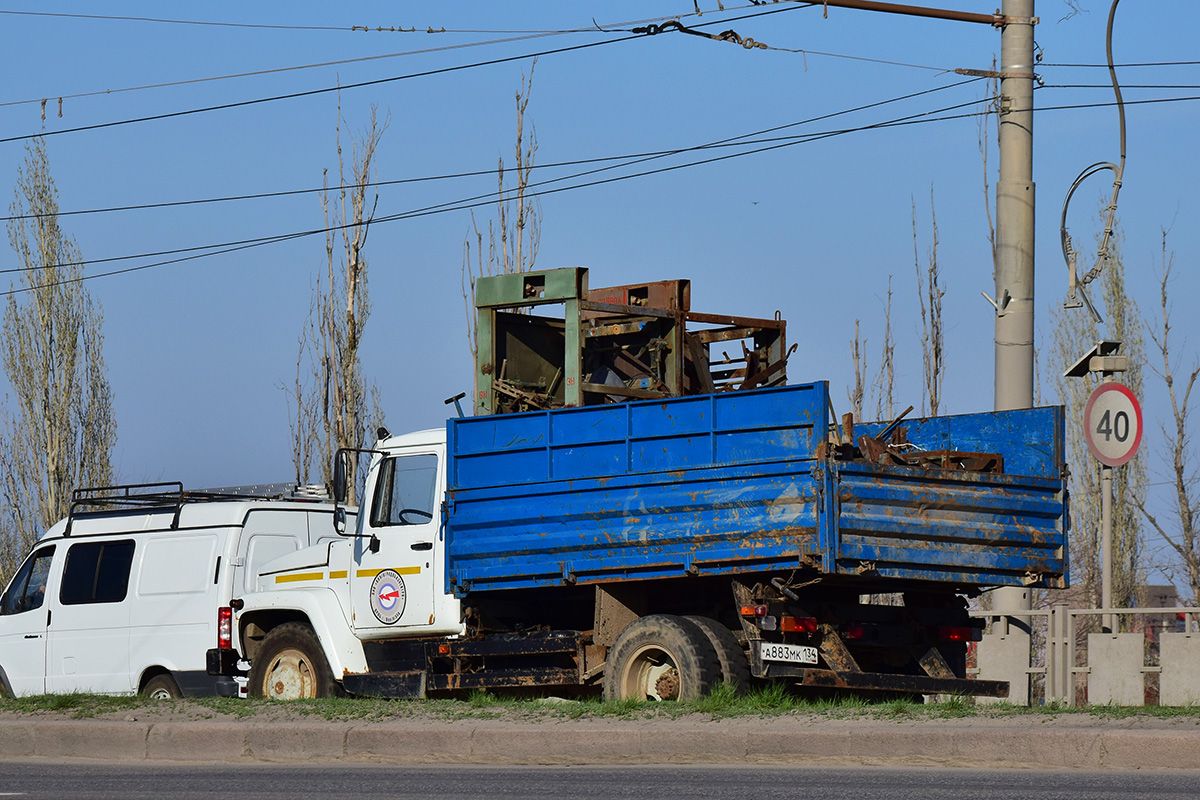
(405, 491)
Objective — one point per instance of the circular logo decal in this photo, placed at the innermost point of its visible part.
(388, 597)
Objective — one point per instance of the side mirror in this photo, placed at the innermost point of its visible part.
(339, 521)
(340, 468)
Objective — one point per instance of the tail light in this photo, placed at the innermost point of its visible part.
(853, 631)
(798, 624)
(224, 628)
(754, 611)
(948, 633)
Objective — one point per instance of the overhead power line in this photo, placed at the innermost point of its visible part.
(227, 247)
(625, 157)
(615, 27)
(484, 199)
(312, 92)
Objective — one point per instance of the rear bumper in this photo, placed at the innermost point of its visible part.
(879, 681)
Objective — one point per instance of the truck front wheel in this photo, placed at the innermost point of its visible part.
(661, 657)
(289, 665)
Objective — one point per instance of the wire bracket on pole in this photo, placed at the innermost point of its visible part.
(989, 73)
(1000, 20)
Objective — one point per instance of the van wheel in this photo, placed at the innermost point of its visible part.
(289, 665)
(162, 687)
(735, 667)
(661, 657)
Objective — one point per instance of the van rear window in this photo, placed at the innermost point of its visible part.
(96, 572)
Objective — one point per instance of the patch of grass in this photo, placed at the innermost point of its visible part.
(764, 700)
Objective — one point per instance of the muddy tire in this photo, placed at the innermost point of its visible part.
(661, 657)
(162, 687)
(735, 667)
(290, 665)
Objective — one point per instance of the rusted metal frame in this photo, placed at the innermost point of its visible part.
(834, 650)
(743, 596)
(621, 328)
(995, 20)
(700, 360)
(737, 322)
(888, 682)
(713, 335)
(757, 379)
(934, 663)
(628, 311)
(505, 678)
(510, 644)
(623, 391)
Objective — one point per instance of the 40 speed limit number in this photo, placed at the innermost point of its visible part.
(1112, 421)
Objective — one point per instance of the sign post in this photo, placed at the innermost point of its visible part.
(1112, 423)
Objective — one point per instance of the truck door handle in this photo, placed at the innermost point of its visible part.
(421, 545)
(33, 636)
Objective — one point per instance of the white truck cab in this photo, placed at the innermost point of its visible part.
(384, 579)
(130, 590)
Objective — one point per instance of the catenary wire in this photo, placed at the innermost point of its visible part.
(480, 173)
(484, 199)
(262, 241)
(616, 27)
(374, 82)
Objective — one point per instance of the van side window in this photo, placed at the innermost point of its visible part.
(404, 494)
(28, 590)
(96, 572)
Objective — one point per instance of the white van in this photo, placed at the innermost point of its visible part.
(130, 591)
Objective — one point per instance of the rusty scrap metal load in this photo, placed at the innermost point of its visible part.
(634, 342)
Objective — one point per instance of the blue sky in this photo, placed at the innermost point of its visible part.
(197, 351)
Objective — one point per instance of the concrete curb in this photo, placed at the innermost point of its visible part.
(774, 741)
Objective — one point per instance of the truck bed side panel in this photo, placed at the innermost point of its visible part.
(730, 483)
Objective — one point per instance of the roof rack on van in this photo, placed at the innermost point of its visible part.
(171, 496)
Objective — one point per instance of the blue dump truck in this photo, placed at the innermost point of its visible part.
(656, 548)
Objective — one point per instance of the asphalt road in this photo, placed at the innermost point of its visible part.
(40, 780)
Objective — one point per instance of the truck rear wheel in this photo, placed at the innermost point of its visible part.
(735, 667)
(661, 657)
(289, 665)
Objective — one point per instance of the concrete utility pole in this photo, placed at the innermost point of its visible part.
(1014, 263)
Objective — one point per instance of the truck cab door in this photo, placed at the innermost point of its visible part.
(392, 580)
(23, 617)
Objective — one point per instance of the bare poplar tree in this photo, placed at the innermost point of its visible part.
(335, 407)
(58, 427)
(883, 389)
(514, 236)
(1074, 332)
(930, 293)
(859, 358)
(1182, 537)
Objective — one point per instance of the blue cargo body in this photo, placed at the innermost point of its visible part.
(731, 483)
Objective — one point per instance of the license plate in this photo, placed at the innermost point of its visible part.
(791, 653)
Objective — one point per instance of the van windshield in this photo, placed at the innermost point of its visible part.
(28, 590)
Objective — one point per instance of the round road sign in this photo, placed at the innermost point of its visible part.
(1112, 422)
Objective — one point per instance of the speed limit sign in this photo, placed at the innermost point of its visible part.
(1112, 422)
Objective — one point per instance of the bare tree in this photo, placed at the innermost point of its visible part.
(930, 293)
(335, 407)
(59, 432)
(515, 235)
(884, 386)
(1073, 333)
(859, 358)
(1183, 538)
